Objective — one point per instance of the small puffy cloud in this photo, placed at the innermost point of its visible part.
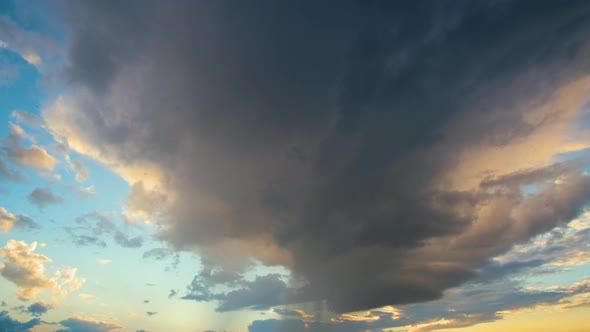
(9, 220)
(44, 197)
(151, 313)
(86, 192)
(103, 261)
(173, 293)
(38, 308)
(83, 324)
(9, 324)
(26, 270)
(33, 156)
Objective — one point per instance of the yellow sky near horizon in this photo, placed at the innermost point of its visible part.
(542, 319)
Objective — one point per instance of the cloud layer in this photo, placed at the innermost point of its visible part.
(83, 324)
(379, 151)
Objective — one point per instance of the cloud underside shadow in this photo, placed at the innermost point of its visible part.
(382, 152)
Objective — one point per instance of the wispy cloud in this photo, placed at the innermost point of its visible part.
(92, 227)
(33, 156)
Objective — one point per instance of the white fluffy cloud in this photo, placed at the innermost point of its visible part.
(26, 270)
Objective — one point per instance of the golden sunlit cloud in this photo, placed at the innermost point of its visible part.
(26, 270)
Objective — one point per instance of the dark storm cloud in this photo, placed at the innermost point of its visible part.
(319, 135)
(93, 226)
(43, 197)
(10, 324)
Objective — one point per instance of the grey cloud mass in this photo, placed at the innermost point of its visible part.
(463, 307)
(42, 197)
(375, 149)
(78, 324)
(38, 308)
(261, 293)
(11, 324)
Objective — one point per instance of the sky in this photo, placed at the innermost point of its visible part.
(294, 166)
